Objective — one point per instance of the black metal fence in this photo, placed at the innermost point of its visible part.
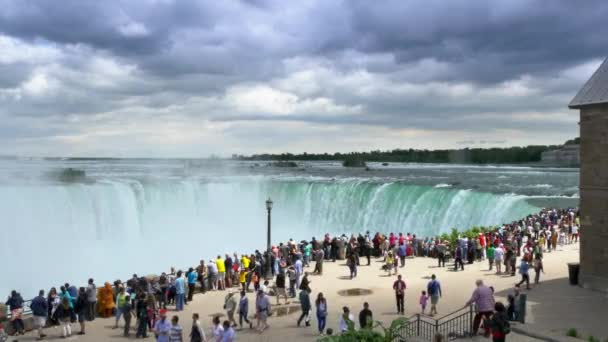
(457, 324)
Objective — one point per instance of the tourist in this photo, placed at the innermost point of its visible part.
(352, 265)
(441, 248)
(176, 333)
(82, 309)
(197, 334)
(244, 310)
(321, 308)
(73, 291)
(212, 275)
(280, 288)
(499, 253)
(221, 273)
(230, 306)
(229, 335)
(366, 317)
(424, 298)
(217, 329)
(64, 314)
(126, 314)
(229, 266)
(243, 279)
(262, 305)
(434, 291)
(347, 320)
(458, 257)
(319, 256)
(201, 271)
(499, 323)
(15, 304)
(305, 283)
(105, 300)
(574, 234)
(65, 294)
(162, 327)
(514, 302)
(40, 311)
(163, 283)
(390, 263)
(524, 269)
(305, 306)
(399, 287)
(180, 291)
(402, 253)
(483, 298)
(299, 272)
(120, 303)
(53, 302)
(538, 268)
(141, 312)
(192, 277)
(490, 255)
(91, 299)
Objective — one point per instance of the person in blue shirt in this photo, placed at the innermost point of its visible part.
(66, 294)
(180, 291)
(524, 269)
(40, 311)
(162, 327)
(192, 276)
(434, 290)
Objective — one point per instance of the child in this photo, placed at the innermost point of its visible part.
(390, 263)
(424, 298)
(243, 279)
(126, 314)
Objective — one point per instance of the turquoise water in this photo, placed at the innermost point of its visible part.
(144, 216)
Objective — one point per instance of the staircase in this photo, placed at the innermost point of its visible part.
(455, 325)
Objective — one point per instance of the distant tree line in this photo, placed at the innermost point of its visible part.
(509, 155)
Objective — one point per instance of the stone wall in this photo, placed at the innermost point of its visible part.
(594, 196)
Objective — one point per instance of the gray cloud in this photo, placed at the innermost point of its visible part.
(429, 66)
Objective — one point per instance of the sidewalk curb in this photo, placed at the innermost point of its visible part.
(543, 337)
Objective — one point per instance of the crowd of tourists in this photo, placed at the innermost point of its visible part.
(144, 301)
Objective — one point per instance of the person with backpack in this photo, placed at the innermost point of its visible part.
(15, 303)
(434, 291)
(82, 309)
(499, 323)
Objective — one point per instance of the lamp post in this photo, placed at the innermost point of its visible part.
(268, 249)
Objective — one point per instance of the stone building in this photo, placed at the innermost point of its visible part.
(592, 101)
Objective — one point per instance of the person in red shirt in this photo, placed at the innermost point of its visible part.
(399, 287)
(482, 242)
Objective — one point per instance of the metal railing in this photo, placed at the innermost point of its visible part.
(26, 310)
(457, 324)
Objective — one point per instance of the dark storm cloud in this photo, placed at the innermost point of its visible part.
(484, 41)
(429, 65)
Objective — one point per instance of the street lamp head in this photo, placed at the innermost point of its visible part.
(269, 204)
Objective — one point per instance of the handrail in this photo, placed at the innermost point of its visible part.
(456, 324)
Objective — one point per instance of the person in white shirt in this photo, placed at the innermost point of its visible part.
(574, 233)
(499, 254)
(346, 320)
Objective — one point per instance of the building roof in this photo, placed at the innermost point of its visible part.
(595, 91)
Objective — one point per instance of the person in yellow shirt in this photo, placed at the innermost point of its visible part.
(243, 279)
(221, 273)
(245, 262)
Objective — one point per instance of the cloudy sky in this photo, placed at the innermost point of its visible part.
(190, 78)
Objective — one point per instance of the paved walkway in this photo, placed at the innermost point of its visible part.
(554, 306)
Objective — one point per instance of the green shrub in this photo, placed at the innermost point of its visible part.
(389, 334)
(572, 332)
